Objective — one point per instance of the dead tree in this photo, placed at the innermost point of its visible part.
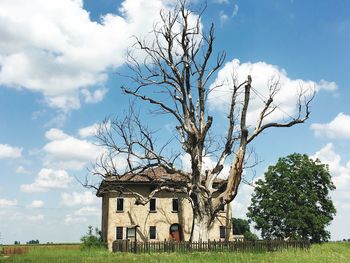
(175, 77)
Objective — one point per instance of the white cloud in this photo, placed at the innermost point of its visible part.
(55, 134)
(93, 97)
(222, 1)
(57, 121)
(36, 204)
(241, 203)
(7, 151)
(92, 130)
(21, 170)
(74, 199)
(72, 219)
(235, 10)
(7, 203)
(67, 152)
(341, 198)
(326, 85)
(223, 17)
(48, 179)
(262, 74)
(88, 211)
(208, 163)
(42, 52)
(338, 128)
(340, 173)
(20, 217)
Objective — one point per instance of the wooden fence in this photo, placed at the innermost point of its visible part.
(212, 246)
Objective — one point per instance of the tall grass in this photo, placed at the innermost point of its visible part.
(328, 253)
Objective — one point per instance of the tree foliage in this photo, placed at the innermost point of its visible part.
(293, 200)
(241, 227)
(92, 240)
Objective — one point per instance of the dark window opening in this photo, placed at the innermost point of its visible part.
(119, 232)
(152, 205)
(120, 204)
(222, 232)
(152, 232)
(222, 208)
(175, 205)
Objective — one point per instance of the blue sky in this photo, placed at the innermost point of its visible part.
(58, 60)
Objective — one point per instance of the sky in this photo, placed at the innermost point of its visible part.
(58, 81)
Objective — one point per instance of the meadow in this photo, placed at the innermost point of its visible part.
(328, 252)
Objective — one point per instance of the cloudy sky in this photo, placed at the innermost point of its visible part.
(58, 60)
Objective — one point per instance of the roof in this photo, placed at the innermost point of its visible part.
(157, 174)
(151, 176)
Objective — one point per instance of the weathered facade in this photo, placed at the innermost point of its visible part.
(168, 215)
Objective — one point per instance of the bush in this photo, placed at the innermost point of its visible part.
(92, 240)
(241, 227)
(249, 236)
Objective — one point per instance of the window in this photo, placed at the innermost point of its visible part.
(152, 232)
(222, 208)
(175, 205)
(152, 205)
(120, 204)
(119, 232)
(222, 232)
(131, 232)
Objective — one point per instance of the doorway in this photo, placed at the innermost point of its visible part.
(175, 232)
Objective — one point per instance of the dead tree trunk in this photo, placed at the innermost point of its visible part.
(178, 63)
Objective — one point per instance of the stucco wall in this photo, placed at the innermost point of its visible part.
(163, 218)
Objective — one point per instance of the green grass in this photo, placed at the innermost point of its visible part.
(328, 252)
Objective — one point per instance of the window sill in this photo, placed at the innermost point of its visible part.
(153, 211)
(119, 211)
(174, 211)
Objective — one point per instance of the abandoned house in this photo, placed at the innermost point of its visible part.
(168, 215)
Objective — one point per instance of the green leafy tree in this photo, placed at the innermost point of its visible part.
(241, 227)
(92, 240)
(293, 200)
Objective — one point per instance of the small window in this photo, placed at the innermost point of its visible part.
(175, 205)
(119, 232)
(222, 208)
(152, 205)
(131, 232)
(120, 204)
(222, 232)
(152, 232)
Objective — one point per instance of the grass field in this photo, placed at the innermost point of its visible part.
(328, 252)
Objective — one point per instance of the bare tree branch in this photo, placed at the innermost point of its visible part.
(173, 76)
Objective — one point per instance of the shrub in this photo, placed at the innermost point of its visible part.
(249, 236)
(92, 240)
